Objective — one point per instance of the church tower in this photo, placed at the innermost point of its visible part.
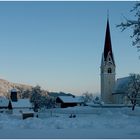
(107, 69)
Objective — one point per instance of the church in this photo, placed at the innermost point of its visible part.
(112, 90)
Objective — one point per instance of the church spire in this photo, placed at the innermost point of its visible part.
(108, 45)
(107, 14)
(107, 69)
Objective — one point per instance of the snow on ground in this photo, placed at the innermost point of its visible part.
(89, 123)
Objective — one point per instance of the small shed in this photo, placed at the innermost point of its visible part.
(68, 101)
(27, 114)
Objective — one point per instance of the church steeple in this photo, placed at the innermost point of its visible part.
(107, 69)
(108, 45)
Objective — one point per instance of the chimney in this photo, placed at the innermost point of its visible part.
(14, 95)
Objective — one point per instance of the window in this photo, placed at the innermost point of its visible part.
(109, 70)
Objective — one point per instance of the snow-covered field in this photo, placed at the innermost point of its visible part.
(89, 123)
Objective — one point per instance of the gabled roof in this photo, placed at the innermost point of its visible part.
(70, 99)
(121, 85)
(108, 45)
(22, 103)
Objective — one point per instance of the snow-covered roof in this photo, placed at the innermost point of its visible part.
(22, 103)
(121, 85)
(4, 101)
(70, 99)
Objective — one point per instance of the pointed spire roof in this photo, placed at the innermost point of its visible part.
(108, 45)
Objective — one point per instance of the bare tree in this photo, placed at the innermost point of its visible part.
(26, 94)
(87, 97)
(133, 92)
(134, 25)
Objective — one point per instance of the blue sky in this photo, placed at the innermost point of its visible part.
(58, 45)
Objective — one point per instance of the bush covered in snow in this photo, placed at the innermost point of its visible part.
(39, 98)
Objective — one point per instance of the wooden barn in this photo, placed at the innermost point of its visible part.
(68, 101)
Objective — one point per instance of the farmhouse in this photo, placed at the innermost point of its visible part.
(68, 101)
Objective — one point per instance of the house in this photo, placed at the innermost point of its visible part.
(19, 104)
(68, 101)
(16, 106)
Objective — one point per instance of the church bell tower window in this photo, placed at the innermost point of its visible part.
(109, 70)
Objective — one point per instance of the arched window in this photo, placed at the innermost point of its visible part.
(109, 70)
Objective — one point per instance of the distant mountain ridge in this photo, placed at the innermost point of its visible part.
(6, 86)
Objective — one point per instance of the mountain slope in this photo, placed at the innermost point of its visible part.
(6, 86)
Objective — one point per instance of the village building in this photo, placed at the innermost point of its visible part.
(120, 91)
(16, 106)
(112, 91)
(68, 101)
(15, 102)
(108, 69)
(22, 106)
(19, 103)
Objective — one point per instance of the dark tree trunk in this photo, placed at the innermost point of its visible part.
(133, 107)
(134, 104)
